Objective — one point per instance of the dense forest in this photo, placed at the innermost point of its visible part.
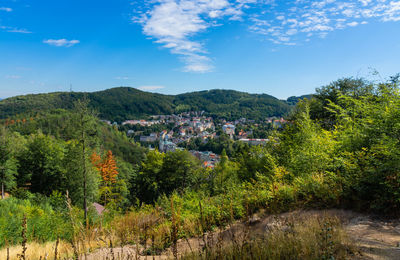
(340, 150)
(119, 104)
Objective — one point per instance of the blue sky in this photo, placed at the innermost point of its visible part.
(282, 48)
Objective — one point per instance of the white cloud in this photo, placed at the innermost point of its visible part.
(301, 17)
(179, 24)
(12, 76)
(291, 32)
(365, 2)
(175, 24)
(150, 88)
(392, 12)
(6, 9)
(122, 78)
(61, 42)
(352, 24)
(16, 30)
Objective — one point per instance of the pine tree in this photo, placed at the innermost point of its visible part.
(84, 131)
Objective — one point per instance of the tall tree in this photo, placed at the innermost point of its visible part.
(74, 169)
(85, 130)
(8, 164)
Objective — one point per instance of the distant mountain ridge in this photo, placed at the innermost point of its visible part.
(122, 103)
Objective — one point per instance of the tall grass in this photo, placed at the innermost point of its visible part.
(174, 219)
(311, 237)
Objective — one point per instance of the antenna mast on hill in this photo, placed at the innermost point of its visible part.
(70, 87)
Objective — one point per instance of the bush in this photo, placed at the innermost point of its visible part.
(43, 223)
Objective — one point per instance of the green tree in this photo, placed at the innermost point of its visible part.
(146, 183)
(369, 144)
(223, 176)
(73, 166)
(180, 170)
(309, 147)
(254, 162)
(85, 132)
(41, 165)
(8, 163)
(350, 87)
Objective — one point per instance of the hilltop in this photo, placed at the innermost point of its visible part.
(121, 103)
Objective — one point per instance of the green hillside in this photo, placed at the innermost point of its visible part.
(233, 104)
(118, 104)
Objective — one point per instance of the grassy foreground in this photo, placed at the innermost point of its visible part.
(285, 236)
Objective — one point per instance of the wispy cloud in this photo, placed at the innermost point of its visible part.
(150, 88)
(175, 23)
(301, 20)
(61, 42)
(14, 29)
(6, 9)
(9, 28)
(12, 76)
(122, 78)
(179, 24)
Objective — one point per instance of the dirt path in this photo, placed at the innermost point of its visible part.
(376, 239)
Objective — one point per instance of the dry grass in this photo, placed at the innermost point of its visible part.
(47, 250)
(36, 250)
(296, 235)
(289, 237)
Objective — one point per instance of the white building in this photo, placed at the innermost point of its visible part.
(229, 129)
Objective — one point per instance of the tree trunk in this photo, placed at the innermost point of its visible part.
(3, 177)
(84, 183)
(84, 167)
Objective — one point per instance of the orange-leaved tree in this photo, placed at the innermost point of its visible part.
(108, 172)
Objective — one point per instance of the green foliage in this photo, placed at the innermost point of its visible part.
(330, 94)
(73, 166)
(119, 104)
(304, 147)
(180, 170)
(40, 165)
(145, 184)
(165, 173)
(43, 223)
(8, 163)
(255, 162)
(341, 148)
(223, 176)
(230, 104)
(216, 145)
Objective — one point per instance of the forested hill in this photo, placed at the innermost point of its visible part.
(118, 104)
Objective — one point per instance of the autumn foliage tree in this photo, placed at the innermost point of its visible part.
(107, 168)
